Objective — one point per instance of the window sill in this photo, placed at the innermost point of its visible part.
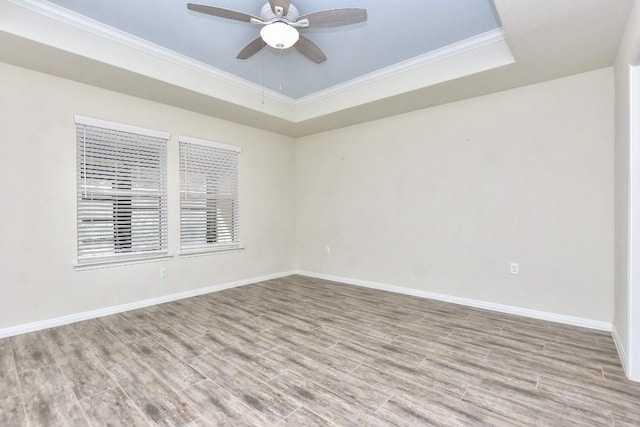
(209, 251)
(118, 261)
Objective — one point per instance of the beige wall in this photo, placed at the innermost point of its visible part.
(441, 199)
(627, 53)
(37, 183)
(444, 199)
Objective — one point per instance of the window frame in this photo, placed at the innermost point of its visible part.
(216, 248)
(107, 259)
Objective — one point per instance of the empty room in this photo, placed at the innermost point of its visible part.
(302, 213)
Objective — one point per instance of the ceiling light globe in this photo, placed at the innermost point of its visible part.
(279, 35)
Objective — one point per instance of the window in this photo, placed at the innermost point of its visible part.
(209, 202)
(121, 191)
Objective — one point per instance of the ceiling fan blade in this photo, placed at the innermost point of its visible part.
(336, 17)
(284, 4)
(310, 50)
(220, 12)
(251, 49)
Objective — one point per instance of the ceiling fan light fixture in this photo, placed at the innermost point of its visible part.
(279, 35)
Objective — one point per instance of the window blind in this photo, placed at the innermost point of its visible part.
(209, 195)
(121, 190)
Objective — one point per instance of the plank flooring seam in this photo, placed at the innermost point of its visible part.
(304, 351)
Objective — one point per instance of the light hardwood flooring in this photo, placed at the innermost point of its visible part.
(305, 352)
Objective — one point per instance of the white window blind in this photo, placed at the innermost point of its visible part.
(121, 190)
(209, 196)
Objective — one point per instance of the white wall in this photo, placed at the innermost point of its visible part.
(37, 184)
(444, 199)
(627, 262)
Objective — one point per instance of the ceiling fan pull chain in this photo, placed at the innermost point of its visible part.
(280, 69)
(263, 71)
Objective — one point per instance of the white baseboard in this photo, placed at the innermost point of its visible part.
(621, 351)
(553, 317)
(78, 317)
(543, 315)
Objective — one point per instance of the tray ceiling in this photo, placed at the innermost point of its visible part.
(395, 31)
(147, 49)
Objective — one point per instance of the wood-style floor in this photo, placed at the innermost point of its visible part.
(305, 352)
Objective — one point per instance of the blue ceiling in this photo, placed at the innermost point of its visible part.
(396, 30)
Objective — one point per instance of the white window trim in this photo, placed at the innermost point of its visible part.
(119, 260)
(96, 262)
(225, 248)
(190, 140)
(89, 121)
(189, 253)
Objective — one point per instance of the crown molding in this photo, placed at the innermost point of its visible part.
(471, 56)
(94, 27)
(471, 43)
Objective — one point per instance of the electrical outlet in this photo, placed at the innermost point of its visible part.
(164, 273)
(327, 249)
(513, 268)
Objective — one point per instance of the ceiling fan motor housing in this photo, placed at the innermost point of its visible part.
(267, 14)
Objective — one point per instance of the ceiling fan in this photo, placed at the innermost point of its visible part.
(280, 20)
